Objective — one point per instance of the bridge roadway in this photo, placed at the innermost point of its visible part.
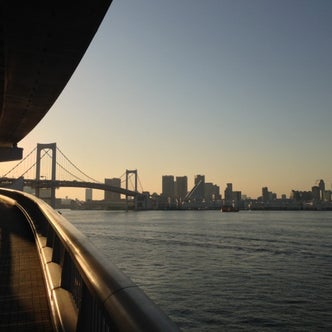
(23, 301)
(8, 182)
(81, 184)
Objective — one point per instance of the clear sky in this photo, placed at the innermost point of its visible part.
(237, 90)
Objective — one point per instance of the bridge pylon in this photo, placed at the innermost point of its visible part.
(52, 147)
(127, 177)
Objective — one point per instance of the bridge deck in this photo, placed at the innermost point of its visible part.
(23, 298)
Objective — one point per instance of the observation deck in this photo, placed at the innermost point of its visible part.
(52, 277)
(23, 302)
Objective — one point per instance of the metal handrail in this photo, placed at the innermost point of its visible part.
(86, 291)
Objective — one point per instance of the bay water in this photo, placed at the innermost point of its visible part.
(213, 271)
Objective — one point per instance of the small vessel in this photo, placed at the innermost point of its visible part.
(229, 208)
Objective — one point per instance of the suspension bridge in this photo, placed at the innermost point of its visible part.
(47, 167)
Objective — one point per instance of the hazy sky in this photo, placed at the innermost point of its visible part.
(237, 90)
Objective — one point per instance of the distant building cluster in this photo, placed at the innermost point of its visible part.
(206, 195)
(175, 193)
(318, 198)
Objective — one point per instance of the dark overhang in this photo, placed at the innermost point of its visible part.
(41, 44)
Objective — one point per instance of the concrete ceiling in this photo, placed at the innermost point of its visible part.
(41, 44)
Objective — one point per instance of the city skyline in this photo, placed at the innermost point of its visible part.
(239, 91)
(232, 188)
(175, 193)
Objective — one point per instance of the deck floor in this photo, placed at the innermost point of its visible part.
(23, 298)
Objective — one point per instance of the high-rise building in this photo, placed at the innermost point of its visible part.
(212, 192)
(228, 193)
(322, 190)
(236, 196)
(109, 195)
(168, 186)
(265, 194)
(181, 187)
(268, 196)
(316, 193)
(200, 190)
(88, 194)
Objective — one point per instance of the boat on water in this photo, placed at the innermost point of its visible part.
(229, 208)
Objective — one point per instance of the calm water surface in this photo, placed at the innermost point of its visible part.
(213, 271)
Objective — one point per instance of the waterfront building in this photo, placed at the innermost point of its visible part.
(167, 197)
(268, 196)
(301, 196)
(236, 197)
(322, 190)
(265, 194)
(316, 193)
(111, 196)
(200, 189)
(212, 192)
(168, 186)
(228, 194)
(181, 188)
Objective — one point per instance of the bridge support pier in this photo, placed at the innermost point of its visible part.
(52, 147)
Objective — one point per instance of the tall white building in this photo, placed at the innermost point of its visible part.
(88, 194)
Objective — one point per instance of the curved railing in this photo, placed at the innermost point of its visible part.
(87, 292)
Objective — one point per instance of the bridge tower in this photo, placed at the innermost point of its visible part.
(52, 147)
(127, 177)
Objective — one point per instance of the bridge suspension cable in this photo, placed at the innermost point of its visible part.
(123, 177)
(63, 168)
(140, 184)
(77, 168)
(45, 153)
(70, 173)
(20, 162)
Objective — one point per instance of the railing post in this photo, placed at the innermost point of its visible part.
(58, 251)
(71, 280)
